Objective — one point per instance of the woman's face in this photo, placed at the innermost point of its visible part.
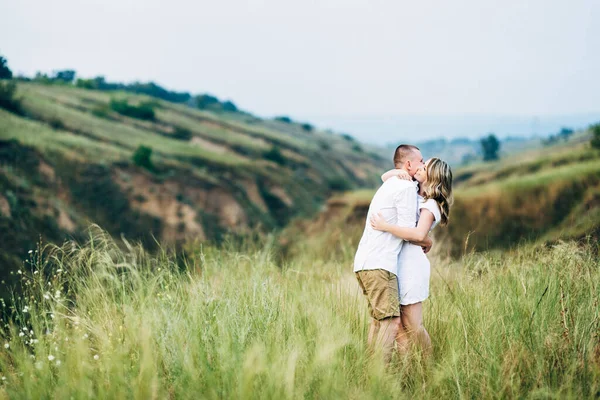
(421, 174)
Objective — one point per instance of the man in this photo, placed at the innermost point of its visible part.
(375, 262)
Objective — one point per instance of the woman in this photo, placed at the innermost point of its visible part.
(435, 199)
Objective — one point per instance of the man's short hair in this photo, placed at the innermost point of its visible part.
(402, 153)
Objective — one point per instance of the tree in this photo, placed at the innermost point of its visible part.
(490, 146)
(5, 72)
(66, 76)
(206, 101)
(565, 133)
(229, 106)
(595, 136)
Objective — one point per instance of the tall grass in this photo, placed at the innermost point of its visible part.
(99, 321)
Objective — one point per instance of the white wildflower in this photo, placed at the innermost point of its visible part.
(6, 345)
(52, 316)
(3, 378)
(85, 336)
(21, 334)
(96, 357)
(30, 251)
(50, 357)
(19, 272)
(58, 363)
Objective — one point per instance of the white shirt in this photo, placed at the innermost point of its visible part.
(396, 199)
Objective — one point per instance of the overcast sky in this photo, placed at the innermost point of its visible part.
(326, 59)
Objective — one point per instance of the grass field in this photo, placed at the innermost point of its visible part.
(99, 322)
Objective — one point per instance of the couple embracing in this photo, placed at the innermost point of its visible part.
(391, 264)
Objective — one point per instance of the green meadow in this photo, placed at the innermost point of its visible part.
(101, 321)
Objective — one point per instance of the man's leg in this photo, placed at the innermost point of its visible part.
(373, 332)
(388, 330)
(415, 332)
(381, 289)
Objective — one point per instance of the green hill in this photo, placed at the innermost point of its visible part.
(544, 195)
(67, 159)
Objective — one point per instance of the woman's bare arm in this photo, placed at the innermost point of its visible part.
(416, 235)
(400, 173)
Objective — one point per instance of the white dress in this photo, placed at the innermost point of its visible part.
(413, 264)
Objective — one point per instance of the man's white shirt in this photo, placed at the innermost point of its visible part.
(396, 200)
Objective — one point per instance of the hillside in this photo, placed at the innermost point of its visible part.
(541, 195)
(67, 159)
(462, 151)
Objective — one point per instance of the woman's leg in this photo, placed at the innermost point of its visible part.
(412, 325)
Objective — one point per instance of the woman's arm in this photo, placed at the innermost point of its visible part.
(400, 173)
(416, 235)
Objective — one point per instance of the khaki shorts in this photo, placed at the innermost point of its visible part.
(381, 289)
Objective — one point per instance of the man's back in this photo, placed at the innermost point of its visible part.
(396, 200)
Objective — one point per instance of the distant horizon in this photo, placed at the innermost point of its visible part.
(386, 129)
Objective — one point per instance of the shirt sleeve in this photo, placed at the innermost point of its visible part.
(405, 202)
(432, 206)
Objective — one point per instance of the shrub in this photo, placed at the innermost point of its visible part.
(357, 148)
(56, 123)
(275, 155)
(596, 136)
(100, 111)
(8, 101)
(283, 119)
(339, 184)
(348, 137)
(86, 83)
(141, 158)
(308, 127)
(182, 133)
(143, 111)
(324, 145)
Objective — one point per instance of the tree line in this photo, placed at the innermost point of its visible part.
(69, 77)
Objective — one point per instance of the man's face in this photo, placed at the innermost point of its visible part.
(414, 162)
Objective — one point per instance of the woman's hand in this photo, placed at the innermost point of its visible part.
(379, 223)
(400, 173)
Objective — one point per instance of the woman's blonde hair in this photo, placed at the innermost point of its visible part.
(439, 186)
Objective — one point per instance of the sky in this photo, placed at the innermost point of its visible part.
(377, 69)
